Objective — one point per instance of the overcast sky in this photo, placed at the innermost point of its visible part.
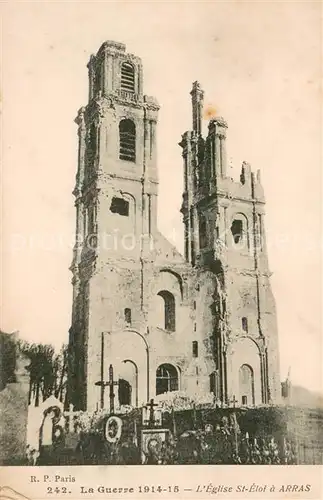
(259, 64)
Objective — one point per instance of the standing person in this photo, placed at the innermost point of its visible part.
(209, 446)
(245, 449)
(264, 452)
(235, 433)
(289, 456)
(218, 440)
(255, 453)
(226, 441)
(273, 451)
(189, 448)
(171, 454)
(129, 452)
(114, 453)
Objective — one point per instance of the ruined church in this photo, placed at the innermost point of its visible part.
(146, 320)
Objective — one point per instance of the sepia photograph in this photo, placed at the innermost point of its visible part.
(161, 235)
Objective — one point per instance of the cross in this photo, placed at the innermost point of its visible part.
(111, 383)
(151, 406)
(103, 385)
(101, 382)
(234, 401)
(71, 414)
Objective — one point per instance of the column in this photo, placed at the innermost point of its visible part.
(98, 129)
(197, 107)
(109, 72)
(113, 73)
(187, 239)
(267, 392)
(217, 154)
(139, 88)
(81, 148)
(262, 375)
(91, 77)
(223, 225)
(262, 233)
(79, 236)
(153, 147)
(185, 174)
(195, 230)
(84, 211)
(147, 142)
(105, 87)
(223, 154)
(153, 213)
(212, 156)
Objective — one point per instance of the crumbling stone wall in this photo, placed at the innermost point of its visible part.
(14, 411)
(221, 289)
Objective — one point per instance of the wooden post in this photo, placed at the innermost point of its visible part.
(111, 384)
(70, 414)
(174, 422)
(101, 382)
(194, 415)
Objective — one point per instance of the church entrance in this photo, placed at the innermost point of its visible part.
(166, 379)
(124, 392)
(246, 385)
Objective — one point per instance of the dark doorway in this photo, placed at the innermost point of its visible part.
(215, 384)
(246, 385)
(124, 392)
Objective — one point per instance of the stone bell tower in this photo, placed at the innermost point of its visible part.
(225, 242)
(115, 199)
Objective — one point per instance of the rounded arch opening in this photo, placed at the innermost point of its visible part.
(203, 235)
(168, 310)
(127, 77)
(239, 230)
(127, 140)
(246, 385)
(167, 378)
(176, 275)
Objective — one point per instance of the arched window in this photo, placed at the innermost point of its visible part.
(169, 314)
(127, 138)
(127, 77)
(127, 315)
(166, 379)
(91, 149)
(202, 231)
(124, 392)
(215, 384)
(239, 231)
(246, 384)
(244, 322)
(93, 138)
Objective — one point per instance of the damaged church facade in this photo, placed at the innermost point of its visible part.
(202, 323)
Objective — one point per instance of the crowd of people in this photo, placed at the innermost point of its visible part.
(221, 443)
